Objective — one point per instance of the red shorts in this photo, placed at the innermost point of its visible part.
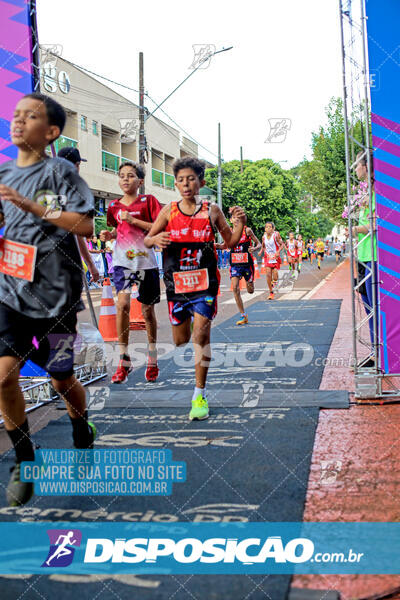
(273, 265)
(294, 256)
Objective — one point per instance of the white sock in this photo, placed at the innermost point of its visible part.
(198, 391)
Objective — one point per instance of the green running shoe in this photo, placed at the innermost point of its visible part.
(18, 492)
(199, 410)
(94, 433)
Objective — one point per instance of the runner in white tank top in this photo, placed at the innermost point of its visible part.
(300, 250)
(272, 244)
(291, 248)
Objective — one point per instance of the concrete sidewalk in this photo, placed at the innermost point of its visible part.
(362, 448)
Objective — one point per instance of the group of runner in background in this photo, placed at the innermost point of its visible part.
(271, 247)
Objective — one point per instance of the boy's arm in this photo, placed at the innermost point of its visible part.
(262, 249)
(221, 246)
(157, 236)
(74, 222)
(257, 243)
(231, 238)
(138, 222)
(154, 208)
(280, 241)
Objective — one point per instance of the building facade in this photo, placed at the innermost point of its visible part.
(104, 126)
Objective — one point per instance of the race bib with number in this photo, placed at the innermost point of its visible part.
(186, 282)
(239, 257)
(271, 257)
(17, 259)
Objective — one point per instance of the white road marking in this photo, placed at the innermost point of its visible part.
(295, 295)
(245, 297)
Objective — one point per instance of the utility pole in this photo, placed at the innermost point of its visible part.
(219, 183)
(219, 179)
(142, 139)
(241, 159)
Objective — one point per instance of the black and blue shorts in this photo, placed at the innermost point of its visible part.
(245, 271)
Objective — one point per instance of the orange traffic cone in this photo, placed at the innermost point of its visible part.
(263, 270)
(136, 320)
(256, 270)
(108, 314)
(285, 262)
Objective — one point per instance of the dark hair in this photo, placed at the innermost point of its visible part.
(139, 169)
(364, 161)
(189, 162)
(55, 112)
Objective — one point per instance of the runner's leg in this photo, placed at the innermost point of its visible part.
(249, 278)
(12, 408)
(149, 315)
(74, 396)
(237, 295)
(123, 309)
(239, 302)
(201, 342)
(250, 287)
(269, 278)
(181, 333)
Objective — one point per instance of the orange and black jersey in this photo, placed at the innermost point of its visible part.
(190, 260)
(240, 254)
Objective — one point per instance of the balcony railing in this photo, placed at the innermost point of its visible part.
(169, 181)
(109, 161)
(157, 177)
(163, 179)
(62, 142)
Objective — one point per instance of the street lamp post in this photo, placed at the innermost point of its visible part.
(202, 61)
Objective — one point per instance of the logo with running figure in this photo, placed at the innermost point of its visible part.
(62, 547)
(278, 130)
(202, 55)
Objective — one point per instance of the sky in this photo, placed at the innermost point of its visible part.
(284, 66)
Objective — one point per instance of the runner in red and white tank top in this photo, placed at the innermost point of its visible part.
(272, 244)
(291, 249)
(300, 250)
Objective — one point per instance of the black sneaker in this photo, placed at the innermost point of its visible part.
(18, 492)
(88, 444)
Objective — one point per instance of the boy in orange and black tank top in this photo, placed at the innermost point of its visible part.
(185, 232)
(242, 265)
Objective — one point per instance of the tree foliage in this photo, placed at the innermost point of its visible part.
(324, 177)
(264, 190)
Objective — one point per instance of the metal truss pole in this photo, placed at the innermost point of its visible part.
(348, 185)
(372, 221)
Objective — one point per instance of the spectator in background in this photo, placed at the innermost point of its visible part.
(361, 232)
(103, 250)
(219, 254)
(225, 259)
(109, 256)
(73, 155)
(159, 258)
(94, 247)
